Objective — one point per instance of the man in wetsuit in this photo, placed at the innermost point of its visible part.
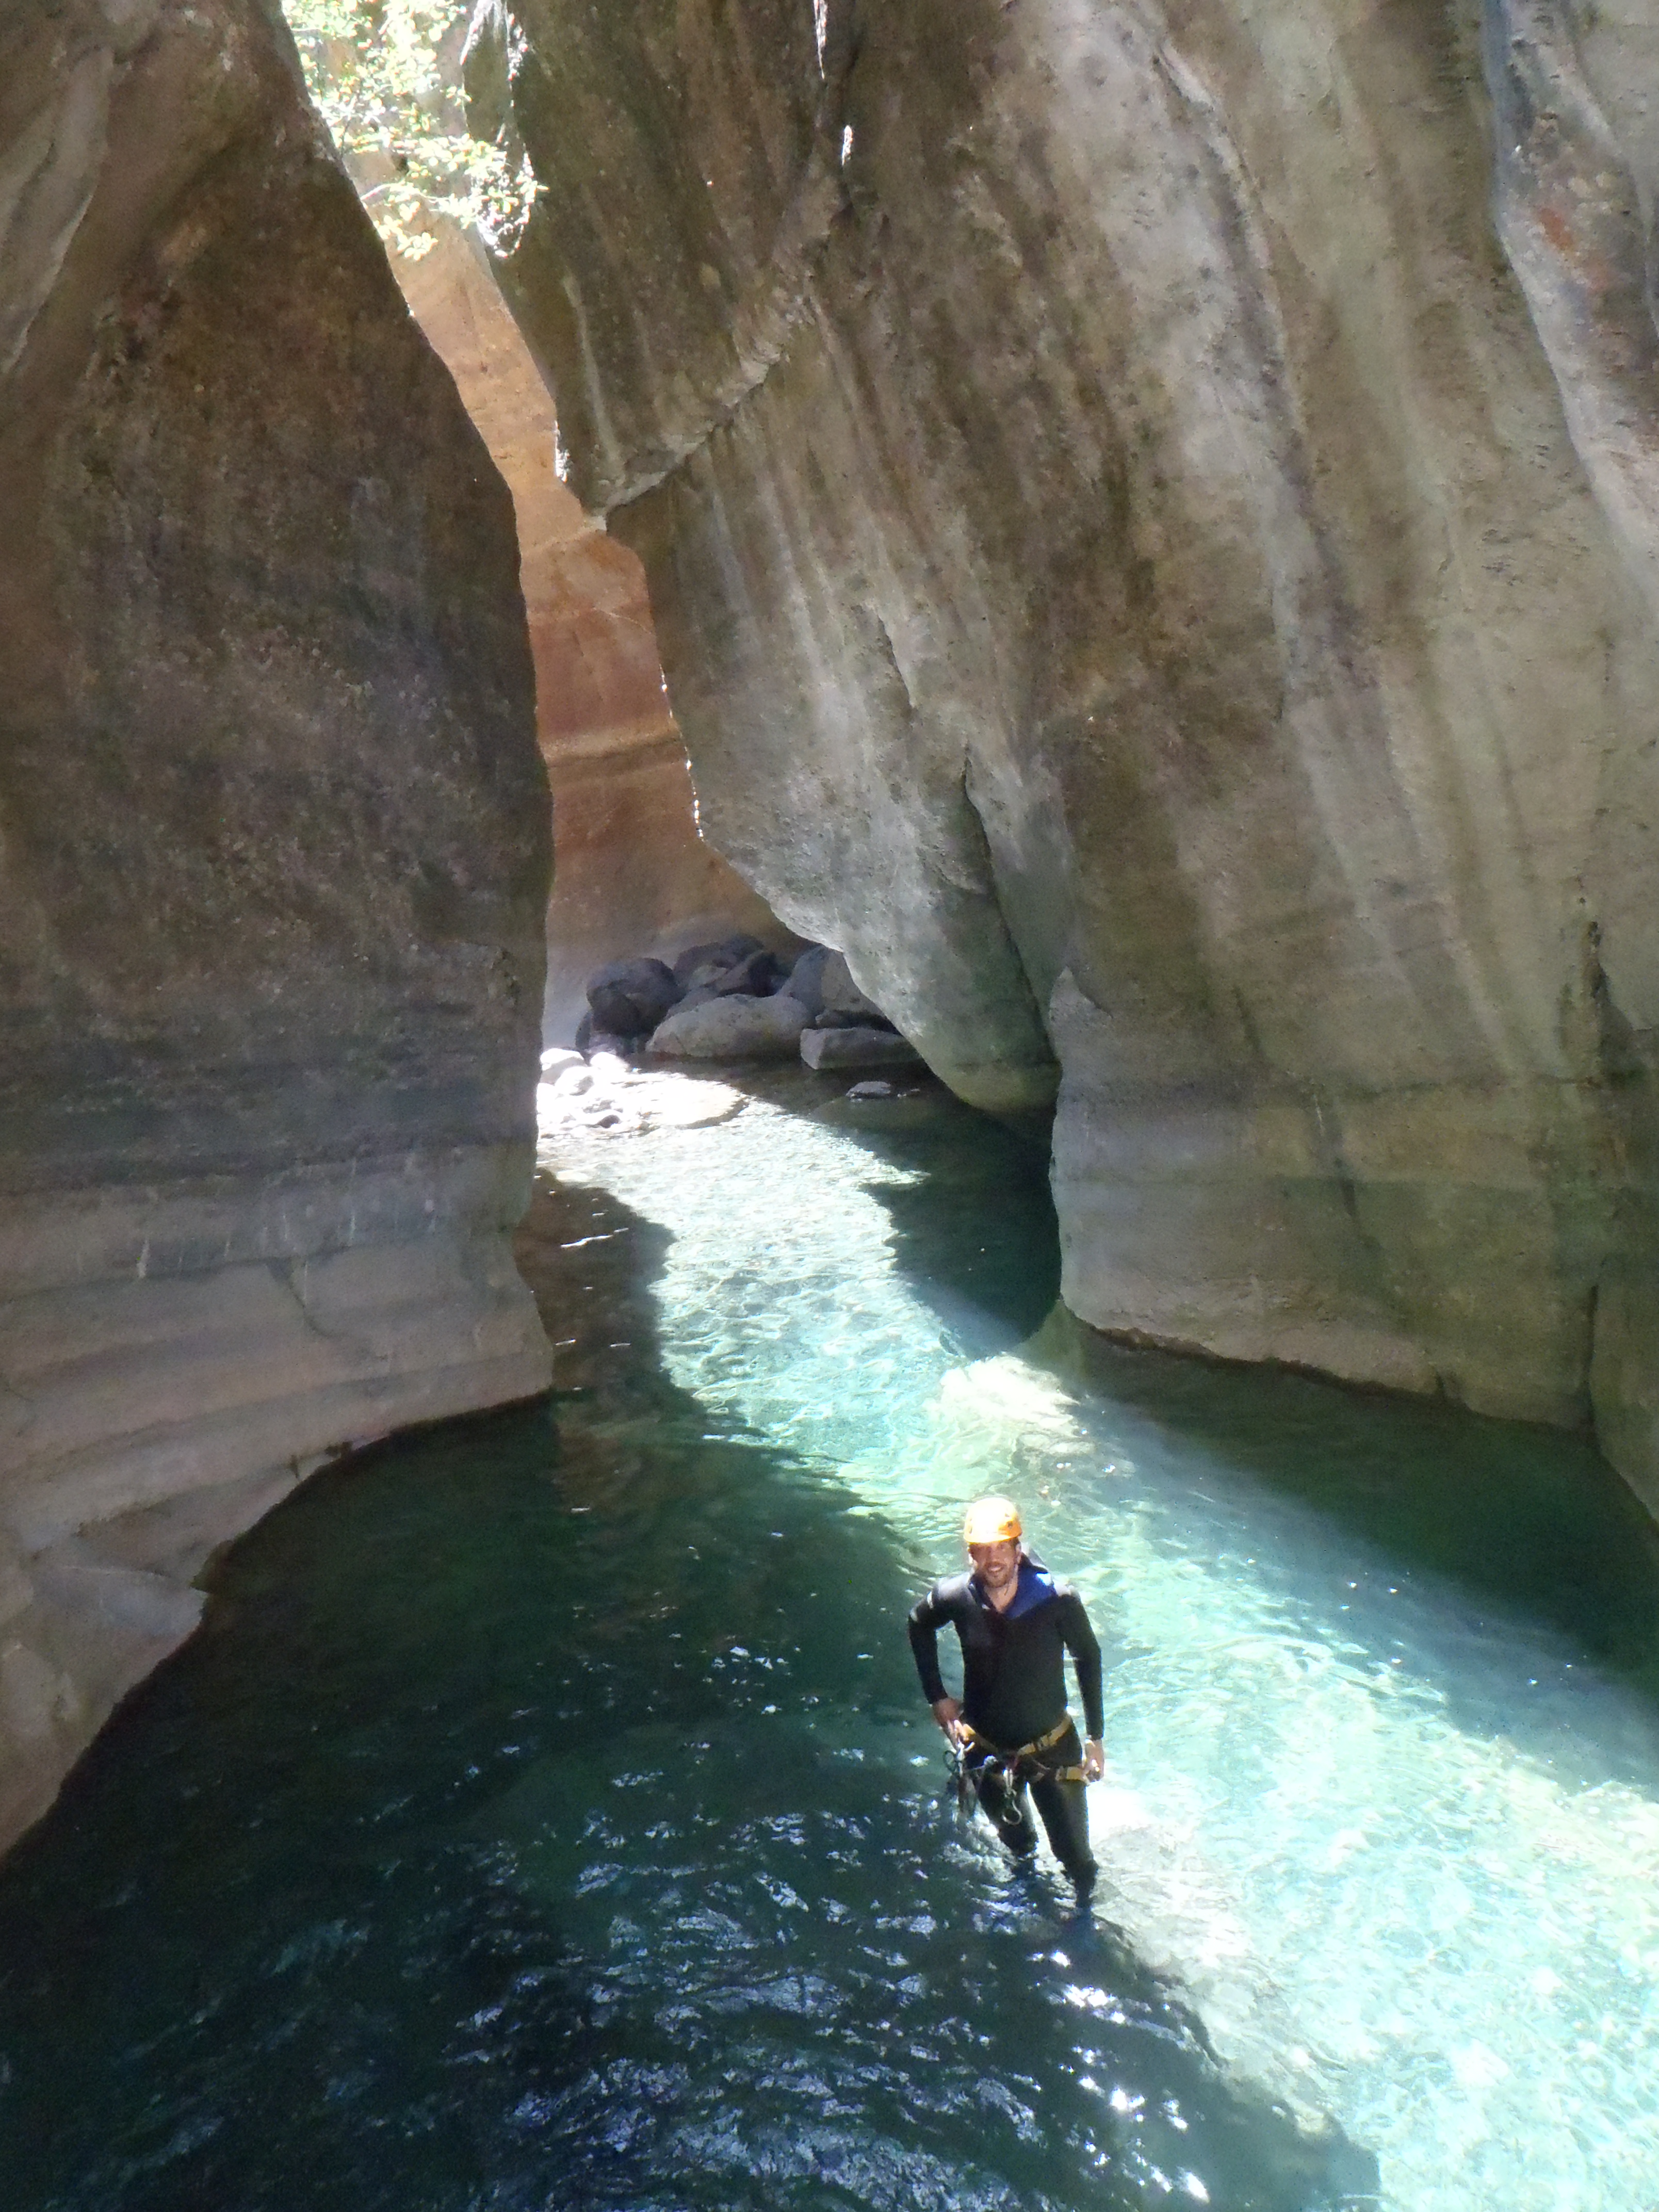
(1016, 1623)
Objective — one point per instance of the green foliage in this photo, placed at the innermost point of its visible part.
(382, 74)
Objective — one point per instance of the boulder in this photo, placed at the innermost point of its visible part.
(806, 978)
(839, 995)
(687, 964)
(707, 963)
(630, 997)
(857, 1048)
(591, 1039)
(756, 976)
(556, 1061)
(734, 1028)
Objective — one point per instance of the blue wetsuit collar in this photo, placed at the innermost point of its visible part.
(1036, 1585)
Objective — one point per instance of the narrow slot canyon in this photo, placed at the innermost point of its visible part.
(764, 765)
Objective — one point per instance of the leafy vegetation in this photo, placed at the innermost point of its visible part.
(383, 73)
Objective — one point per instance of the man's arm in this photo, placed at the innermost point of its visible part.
(1079, 1640)
(928, 1615)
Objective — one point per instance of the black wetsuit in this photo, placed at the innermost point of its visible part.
(1014, 1667)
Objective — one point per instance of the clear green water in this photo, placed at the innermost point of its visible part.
(546, 1816)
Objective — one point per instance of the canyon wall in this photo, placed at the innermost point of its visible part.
(1151, 520)
(273, 846)
(632, 873)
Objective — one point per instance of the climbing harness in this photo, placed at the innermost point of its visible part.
(1026, 1764)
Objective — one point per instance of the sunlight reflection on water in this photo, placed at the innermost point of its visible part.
(1403, 1852)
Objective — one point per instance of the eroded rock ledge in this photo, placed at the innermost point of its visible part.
(1137, 570)
(273, 846)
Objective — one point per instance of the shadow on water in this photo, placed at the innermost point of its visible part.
(1532, 1522)
(1527, 1522)
(975, 1236)
(545, 1817)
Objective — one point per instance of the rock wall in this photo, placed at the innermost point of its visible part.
(632, 873)
(273, 846)
(1149, 515)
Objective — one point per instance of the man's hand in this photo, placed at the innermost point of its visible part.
(1094, 1758)
(947, 1711)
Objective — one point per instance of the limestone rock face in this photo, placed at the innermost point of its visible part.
(273, 846)
(1150, 565)
(631, 869)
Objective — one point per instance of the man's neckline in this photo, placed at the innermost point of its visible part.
(1027, 1566)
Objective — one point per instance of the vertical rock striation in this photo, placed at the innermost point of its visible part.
(1148, 562)
(632, 873)
(273, 846)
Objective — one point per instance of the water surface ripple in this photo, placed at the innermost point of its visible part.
(546, 1816)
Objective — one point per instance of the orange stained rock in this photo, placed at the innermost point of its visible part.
(631, 870)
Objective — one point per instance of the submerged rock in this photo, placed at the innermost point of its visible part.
(857, 1048)
(613, 1100)
(734, 1028)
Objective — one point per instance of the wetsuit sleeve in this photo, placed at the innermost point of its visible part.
(1079, 1641)
(926, 1616)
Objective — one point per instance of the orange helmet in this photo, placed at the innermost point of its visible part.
(991, 1521)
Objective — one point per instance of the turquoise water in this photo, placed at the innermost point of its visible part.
(546, 1815)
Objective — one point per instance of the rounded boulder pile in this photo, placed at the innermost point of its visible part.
(734, 1000)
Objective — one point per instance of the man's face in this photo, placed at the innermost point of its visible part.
(996, 1564)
